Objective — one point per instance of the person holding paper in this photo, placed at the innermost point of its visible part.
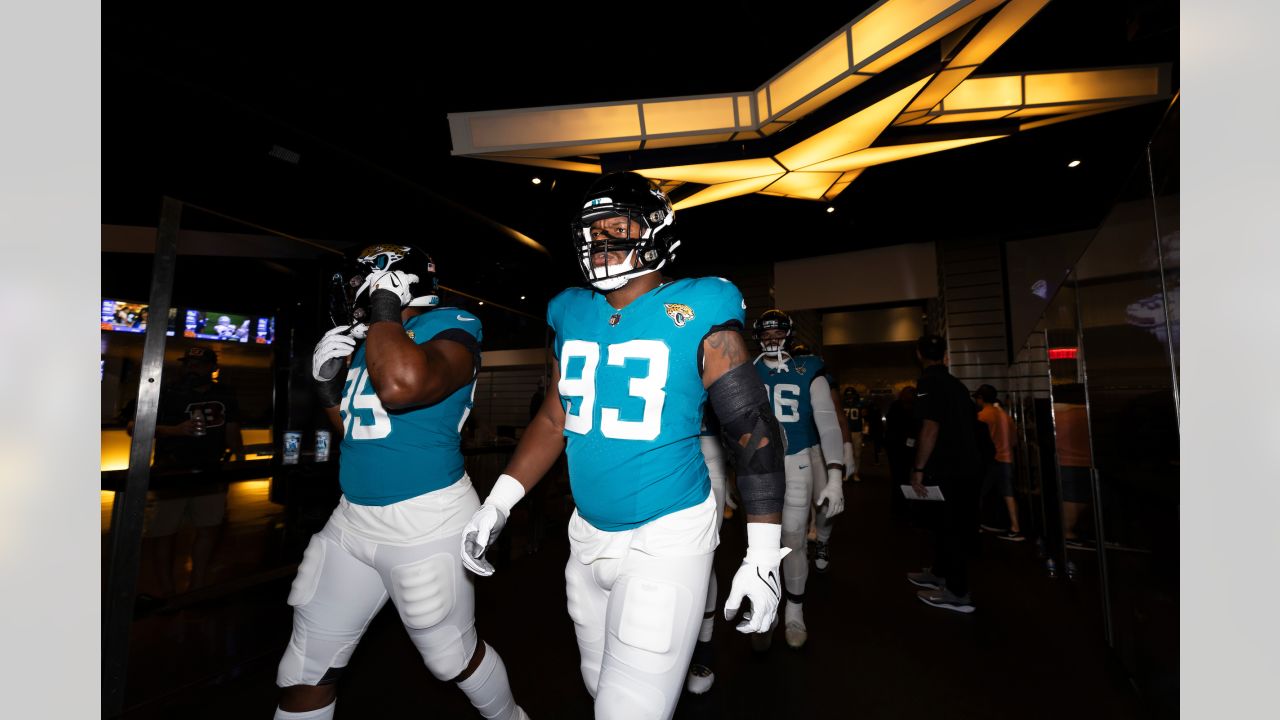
(947, 456)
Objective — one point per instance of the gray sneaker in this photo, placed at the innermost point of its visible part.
(821, 556)
(946, 600)
(925, 579)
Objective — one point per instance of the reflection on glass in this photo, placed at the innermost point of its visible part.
(1128, 294)
(1071, 435)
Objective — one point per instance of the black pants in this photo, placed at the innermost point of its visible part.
(899, 474)
(955, 533)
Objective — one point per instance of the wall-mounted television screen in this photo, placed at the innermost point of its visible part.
(228, 326)
(127, 316)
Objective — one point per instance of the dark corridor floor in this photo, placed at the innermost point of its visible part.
(1033, 649)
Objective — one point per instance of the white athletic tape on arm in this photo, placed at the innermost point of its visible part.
(506, 492)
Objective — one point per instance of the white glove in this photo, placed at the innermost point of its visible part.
(832, 494)
(397, 281)
(326, 361)
(487, 523)
(758, 579)
(849, 467)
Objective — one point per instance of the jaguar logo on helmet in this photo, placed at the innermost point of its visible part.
(349, 285)
(383, 256)
(679, 314)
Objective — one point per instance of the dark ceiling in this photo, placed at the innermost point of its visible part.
(193, 105)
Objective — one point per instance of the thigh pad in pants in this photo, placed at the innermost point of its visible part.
(426, 594)
(334, 597)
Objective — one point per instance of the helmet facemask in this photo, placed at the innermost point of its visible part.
(776, 347)
(628, 232)
(644, 230)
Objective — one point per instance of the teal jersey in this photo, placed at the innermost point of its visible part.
(789, 390)
(631, 387)
(389, 456)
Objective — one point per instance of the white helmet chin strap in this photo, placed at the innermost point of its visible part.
(774, 359)
(613, 276)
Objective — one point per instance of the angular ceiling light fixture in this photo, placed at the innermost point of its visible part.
(821, 166)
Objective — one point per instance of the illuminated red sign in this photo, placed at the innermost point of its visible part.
(1063, 353)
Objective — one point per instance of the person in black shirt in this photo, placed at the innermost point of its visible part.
(196, 423)
(946, 456)
(900, 433)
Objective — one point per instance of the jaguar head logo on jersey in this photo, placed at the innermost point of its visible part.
(679, 314)
(348, 286)
(647, 236)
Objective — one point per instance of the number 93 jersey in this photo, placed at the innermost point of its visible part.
(631, 386)
(789, 391)
(389, 456)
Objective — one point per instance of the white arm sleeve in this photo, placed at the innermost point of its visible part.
(824, 416)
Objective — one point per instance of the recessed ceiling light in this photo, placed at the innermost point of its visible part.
(1073, 163)
(537, 181)
(521, 297)
(830, 208)
(481, 302)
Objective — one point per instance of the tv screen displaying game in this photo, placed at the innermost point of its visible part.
(128, 316)
(132, 317)
(228, 326)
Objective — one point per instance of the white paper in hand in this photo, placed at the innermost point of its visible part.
(934, 493)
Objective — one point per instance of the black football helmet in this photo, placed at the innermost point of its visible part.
(635, 197)
(798, 348)
(850, 398)
(349, 286)
(773, 319)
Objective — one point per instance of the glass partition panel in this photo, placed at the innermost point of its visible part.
(1124, 300)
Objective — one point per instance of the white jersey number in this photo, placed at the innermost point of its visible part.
(355, 398)
(786, 401)
(649, 388)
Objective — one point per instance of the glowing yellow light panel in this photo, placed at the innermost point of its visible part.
(724, 191)
(853, 133)
(997, 31)
(823, 164)
(844, 182)
(890, 153)
(807, 185)
(715, 173)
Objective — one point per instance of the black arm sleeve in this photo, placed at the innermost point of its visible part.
(330, 391)
(741, 404)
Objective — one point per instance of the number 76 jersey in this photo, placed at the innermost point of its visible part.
(631, 386)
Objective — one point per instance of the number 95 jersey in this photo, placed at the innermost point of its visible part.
(631, 386)
(392, 456)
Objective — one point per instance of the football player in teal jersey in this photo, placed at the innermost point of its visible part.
(819, 524)
(637, 358)
(399, 398)
(801, 398)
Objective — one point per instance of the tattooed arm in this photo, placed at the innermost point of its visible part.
(721, 352)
